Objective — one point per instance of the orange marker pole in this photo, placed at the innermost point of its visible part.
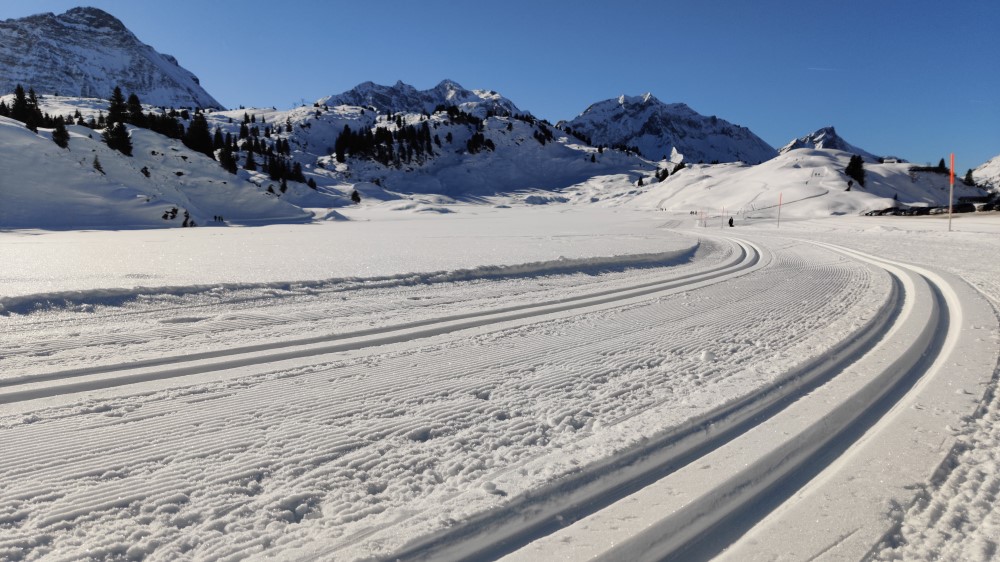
(951, 189)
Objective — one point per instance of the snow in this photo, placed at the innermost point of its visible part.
(808, 183)
(658, 130)
(87, 52)
(38, 173)
(827, 137)
(403, 98)
(988, 174)
(409, 384)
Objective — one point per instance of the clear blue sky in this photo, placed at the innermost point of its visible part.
(917, 78)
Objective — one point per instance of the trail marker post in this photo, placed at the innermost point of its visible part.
(951, 189)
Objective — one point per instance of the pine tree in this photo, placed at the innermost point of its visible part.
(33, 118)
(135, 115)
(60, 135)
(97, 165)
(227, 160)
(969, 180)
(19, 107)
(251, 164)
(856, 170)
(941, 167)
(117, 108)
(116, 137)
(198, 137)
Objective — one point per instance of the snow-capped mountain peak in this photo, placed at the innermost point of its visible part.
(658, 129)
(402, 97)
(86, 52)
(827, 137)
(988, 174)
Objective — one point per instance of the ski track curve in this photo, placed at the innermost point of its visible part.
(359, 451)
(14, 389)
(695, 511)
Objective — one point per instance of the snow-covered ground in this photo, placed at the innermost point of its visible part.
(430, 385)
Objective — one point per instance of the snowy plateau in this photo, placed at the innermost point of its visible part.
(518, 341)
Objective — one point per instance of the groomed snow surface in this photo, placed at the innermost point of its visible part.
(561, 382)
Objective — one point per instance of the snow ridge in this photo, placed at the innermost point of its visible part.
(988, 174)
(86, 52)
(827, 137)
(24, 304)
(657, 129)
(405, 98)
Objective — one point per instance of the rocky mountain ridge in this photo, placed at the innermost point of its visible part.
(86, 52)
(404, 98)
(660, 130)
(827, 137)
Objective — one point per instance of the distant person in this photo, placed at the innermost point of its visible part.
(730, 222)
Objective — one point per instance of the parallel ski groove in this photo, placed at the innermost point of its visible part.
(315, 425)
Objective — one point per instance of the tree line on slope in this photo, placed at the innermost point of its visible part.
(122, 111)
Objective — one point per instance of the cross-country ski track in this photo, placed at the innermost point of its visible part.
(679, 407)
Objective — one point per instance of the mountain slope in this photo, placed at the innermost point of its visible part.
(657, 129)
(86, 52)
(810, 182)
(407, 99)
(45, 186)
(408, 149)
(828, 138)
(988, 174)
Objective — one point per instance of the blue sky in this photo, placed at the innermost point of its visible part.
(917, 79)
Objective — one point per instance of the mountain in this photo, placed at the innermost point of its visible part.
(403, 98)
(809, 182)
(988, 174)
(658, 129)
(417, 151)
(86, 52)
(164, 184)
(828, 138)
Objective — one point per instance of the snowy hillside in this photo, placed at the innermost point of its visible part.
(403, 98)
(988, 174)
(810, 182)
(657, 129)
(448, 387)
(450, 153)
(86, 52)
(827, 137)
(45, 186)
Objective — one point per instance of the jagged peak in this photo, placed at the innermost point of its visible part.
(658, 128)
(92, 17)
(448, 84)
(404, 97)
(82, 35)
(644, 99)
(827, 138)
